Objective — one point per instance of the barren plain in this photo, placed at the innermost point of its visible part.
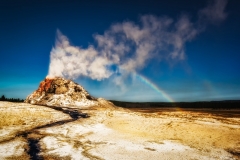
(39, 132)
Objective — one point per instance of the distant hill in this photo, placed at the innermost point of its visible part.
(228, 104)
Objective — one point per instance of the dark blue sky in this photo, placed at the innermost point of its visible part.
(210, 69)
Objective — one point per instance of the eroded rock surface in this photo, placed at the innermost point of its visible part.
(65, 93)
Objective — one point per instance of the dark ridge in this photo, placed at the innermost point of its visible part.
(226, 105)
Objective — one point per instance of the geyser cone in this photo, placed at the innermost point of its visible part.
(62, 92)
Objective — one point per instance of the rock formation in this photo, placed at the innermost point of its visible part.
(65, 93)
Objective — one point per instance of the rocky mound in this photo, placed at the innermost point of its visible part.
(65, 93)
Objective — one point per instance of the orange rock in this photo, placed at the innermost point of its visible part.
(45, 85)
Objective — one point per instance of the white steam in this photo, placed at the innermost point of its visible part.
(71, 61)
(129, 46)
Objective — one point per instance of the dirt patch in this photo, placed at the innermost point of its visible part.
(128, 134)
(201, 130)
(30, 133)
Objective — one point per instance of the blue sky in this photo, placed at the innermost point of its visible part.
(209, 69)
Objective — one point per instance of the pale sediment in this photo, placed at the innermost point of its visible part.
(112, 133)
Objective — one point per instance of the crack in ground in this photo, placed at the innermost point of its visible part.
(34, 147)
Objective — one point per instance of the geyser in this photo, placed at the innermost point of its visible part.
(65, 93)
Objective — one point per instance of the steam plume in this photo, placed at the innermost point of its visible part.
(72, 61)
(129, 46)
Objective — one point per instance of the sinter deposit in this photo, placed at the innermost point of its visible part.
(66, 93)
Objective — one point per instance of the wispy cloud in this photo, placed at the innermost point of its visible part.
(214, 12)
(128, 47)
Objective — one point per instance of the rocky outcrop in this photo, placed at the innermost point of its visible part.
(65, 93)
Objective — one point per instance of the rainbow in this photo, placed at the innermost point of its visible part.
(155, 87)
